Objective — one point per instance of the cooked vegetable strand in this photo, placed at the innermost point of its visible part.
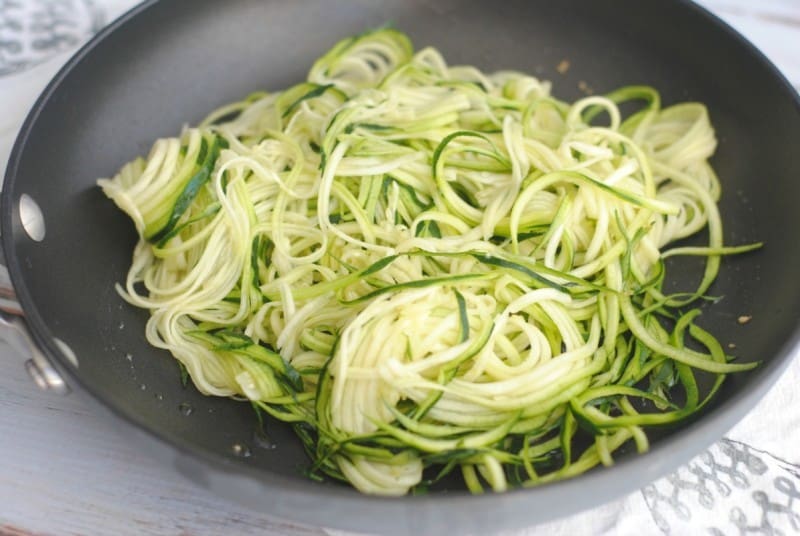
(422, 266)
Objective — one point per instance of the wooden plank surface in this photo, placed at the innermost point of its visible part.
(64, 470)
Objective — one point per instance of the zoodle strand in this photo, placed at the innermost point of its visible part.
(427, 268)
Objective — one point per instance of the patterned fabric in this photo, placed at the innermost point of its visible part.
(732, 488)
(32, 31)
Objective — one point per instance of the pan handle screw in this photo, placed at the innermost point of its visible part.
(15, 332)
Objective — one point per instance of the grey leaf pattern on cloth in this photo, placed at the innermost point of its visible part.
(758, 493)
(32, 31)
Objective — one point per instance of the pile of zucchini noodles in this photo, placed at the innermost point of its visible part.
(427, 268)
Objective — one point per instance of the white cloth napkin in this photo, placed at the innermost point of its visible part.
(747, 483)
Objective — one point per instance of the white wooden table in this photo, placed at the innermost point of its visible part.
(65, 470)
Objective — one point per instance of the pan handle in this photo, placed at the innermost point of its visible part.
(14, 330)
(8, 297)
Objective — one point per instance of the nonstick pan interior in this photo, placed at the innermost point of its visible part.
(168, 63)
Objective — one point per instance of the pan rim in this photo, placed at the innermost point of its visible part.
(696, 436)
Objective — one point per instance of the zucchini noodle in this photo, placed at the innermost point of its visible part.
(427, 269)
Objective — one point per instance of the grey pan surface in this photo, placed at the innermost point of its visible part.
(166, 64)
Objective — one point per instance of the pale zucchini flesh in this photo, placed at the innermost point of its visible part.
(427, 268)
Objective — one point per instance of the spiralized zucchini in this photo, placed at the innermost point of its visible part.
(427, 268)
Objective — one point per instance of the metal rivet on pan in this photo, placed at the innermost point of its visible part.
(31, 217)
(67, 351)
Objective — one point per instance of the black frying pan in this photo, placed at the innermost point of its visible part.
(168, 63)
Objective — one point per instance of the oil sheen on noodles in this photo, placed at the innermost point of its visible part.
(429, 268)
